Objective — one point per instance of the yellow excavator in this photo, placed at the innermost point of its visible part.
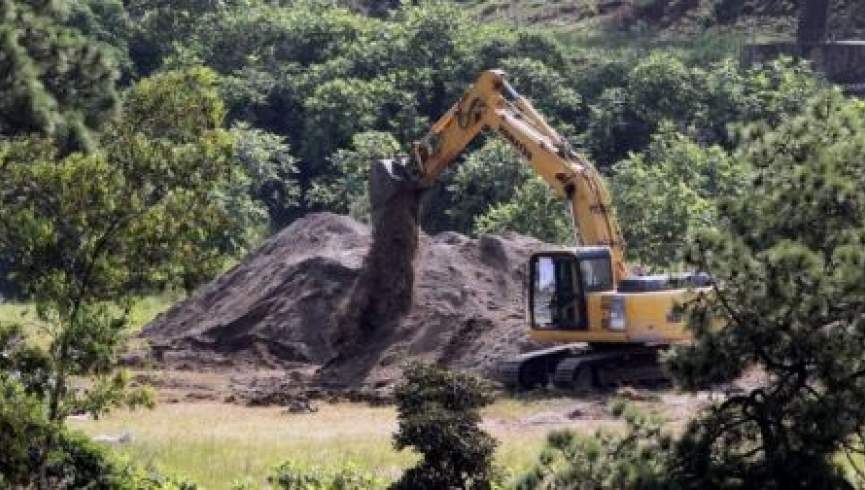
(605, 326)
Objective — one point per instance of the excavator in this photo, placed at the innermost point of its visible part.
(604, 325)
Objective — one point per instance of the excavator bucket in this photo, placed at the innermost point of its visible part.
(390, 180)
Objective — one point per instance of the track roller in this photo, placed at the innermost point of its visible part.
(534, 369)
(521, 375)
(581, 373)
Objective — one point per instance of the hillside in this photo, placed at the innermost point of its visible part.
(668, 18)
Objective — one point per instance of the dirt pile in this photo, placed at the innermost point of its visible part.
(282, 306)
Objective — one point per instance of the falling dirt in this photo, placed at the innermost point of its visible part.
(383, 292)
(283, 307)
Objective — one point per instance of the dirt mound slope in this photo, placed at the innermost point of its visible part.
(281, 306)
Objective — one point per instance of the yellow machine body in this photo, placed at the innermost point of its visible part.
(652, 319)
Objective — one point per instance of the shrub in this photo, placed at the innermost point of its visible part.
(439, 416)
(637, 459)
(70, 461)
(293, 476)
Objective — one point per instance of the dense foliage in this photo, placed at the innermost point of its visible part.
(144, 142)
(55, 82)
(317, 89)
(670, 190)
(678, 166)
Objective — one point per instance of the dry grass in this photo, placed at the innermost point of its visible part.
(216, 444)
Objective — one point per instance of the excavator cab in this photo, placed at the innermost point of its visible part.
(559, 282)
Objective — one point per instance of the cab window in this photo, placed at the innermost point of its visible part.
(555, 293)
(597, 274)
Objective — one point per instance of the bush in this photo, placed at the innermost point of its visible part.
(439, 416)
(637, 459)
(293, 476)
(70, 460)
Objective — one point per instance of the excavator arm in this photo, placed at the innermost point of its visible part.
(491, 104)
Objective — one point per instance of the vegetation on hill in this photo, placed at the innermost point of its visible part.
(307, 84)
(670, 18)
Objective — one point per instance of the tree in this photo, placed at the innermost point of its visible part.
(348, 191)
(488, 177)
(55, 82)
(788, 263)
(319, 75)
(623, 118)
(176, 119)
(341, 108)
(702, 103)
(374, 7)
(667, 192)
(438, 414)
(789, 297)
(534, 210)
(162, 29)
(86, 234)
(268, 176)
(108, 23)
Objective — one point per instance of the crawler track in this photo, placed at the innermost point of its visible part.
(580, 367)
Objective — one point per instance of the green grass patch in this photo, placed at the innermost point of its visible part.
(216, 444)
(25, 314)
(147, 308)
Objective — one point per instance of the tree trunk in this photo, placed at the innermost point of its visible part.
(813, 18)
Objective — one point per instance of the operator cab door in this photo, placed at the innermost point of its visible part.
(556, 299)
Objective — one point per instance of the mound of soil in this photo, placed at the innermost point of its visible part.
(283, 306)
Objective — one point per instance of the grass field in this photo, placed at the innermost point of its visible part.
(216, 444)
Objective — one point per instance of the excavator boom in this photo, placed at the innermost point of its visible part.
(491, 104)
